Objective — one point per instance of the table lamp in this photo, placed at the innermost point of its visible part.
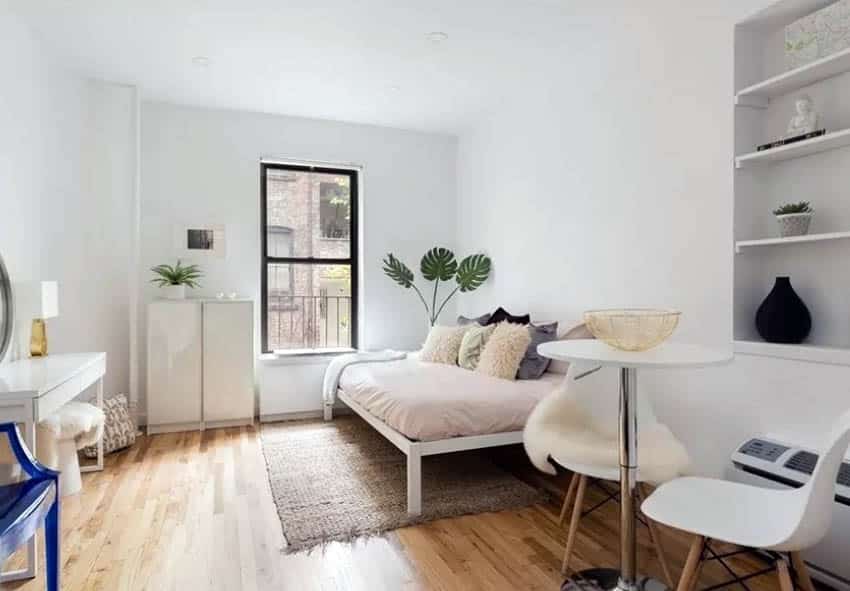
(39, 300)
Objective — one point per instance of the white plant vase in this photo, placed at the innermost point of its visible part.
(794, 224)
(173, 292)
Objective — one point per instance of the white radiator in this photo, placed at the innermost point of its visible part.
(771, 463)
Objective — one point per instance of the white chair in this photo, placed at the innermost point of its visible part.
(779, 521)
(59, 436)
(576, 427)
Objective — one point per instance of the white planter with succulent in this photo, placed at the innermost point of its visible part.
(173, 280)
(794, 218)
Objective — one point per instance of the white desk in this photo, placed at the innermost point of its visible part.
(32, 389)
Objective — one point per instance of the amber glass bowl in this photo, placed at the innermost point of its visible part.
(632, 329)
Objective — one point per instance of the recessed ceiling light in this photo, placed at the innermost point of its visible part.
(395, 88)
(436, 36)
(201, 61)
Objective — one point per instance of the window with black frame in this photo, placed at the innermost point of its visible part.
(309, 257)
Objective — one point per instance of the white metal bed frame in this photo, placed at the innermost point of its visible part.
(415, 450)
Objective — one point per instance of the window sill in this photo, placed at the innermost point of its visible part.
(302, 356)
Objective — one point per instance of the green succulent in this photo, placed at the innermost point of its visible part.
(801, 207)
(439, 264)
(179, 274)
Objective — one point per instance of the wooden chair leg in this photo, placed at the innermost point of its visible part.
(571, 536)
(692, 564)
(785, 583)
(571, 490)
(655, 538)
(802, 572)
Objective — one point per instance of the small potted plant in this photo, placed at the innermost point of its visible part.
(173, 280)
(794, 218)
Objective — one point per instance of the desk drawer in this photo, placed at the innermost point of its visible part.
(92, 374)
(51, 401)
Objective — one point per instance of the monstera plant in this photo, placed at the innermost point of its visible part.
(440, 265)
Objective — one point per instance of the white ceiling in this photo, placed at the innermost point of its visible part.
(365, 61)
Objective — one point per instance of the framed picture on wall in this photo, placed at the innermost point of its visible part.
(199, 241)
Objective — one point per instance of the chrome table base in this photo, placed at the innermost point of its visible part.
(609, 579)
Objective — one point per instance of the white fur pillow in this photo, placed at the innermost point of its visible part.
(504, 351)
(443, 344)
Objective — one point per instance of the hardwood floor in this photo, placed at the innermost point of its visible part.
(190, 512)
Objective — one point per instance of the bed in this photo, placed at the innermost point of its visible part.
(430, 408)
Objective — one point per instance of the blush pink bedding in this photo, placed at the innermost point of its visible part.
(431, 401)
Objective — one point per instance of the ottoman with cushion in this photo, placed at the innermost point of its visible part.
(59, 436)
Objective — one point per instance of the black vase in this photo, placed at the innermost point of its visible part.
(783, 317)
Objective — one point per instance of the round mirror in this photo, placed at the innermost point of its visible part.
(6, 310)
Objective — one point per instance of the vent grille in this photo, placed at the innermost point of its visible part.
(802, 461)
(763, 450)
(844, 475)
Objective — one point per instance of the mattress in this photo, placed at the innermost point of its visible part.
(432, 401)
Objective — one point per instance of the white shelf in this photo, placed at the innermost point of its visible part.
(830, 141)
(791, 240)
(822, 69)
(803, 352)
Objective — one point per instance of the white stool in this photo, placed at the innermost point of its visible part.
(72, 427)
(575, 427)
(779, 521)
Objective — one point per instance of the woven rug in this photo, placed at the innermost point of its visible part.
(335, 481)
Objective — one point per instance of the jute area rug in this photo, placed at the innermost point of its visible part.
(335, 481)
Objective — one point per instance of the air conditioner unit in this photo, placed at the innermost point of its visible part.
(768, 462)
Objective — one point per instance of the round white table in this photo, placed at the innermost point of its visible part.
(666, 355)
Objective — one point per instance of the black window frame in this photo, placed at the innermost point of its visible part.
(353, 248)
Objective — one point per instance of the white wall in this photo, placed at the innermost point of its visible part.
(67, 167)
(202, 166)
(608, 182)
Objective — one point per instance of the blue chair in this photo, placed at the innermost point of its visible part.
(26, 504)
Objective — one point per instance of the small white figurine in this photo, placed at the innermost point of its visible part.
(805, 120)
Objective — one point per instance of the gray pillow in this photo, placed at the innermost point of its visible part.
(534, 365)
(464, 321)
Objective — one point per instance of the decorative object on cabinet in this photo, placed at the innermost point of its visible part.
(7, 310)
(119, 432)
(439, 264)
(632, 329)
(37, 301)
(783, 317)
(200, 364)
(173, 280)
(794, 218)
(818, 35)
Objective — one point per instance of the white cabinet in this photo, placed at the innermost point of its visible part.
(200, 364)
(228, 362)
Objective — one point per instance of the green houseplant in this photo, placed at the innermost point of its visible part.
(440, 265)
(794, 218)
(174, 279)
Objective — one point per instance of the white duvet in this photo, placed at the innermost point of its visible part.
(431, 401)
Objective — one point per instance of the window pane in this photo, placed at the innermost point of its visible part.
(315, 208)
(309, 306)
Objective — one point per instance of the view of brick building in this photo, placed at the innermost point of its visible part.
(308, 215)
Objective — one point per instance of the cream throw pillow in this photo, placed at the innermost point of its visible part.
(504, 351)
(443, 344)
(473, 344)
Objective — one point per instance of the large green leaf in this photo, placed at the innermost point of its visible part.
(439, 263)
(472, 272)
(398, 271)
